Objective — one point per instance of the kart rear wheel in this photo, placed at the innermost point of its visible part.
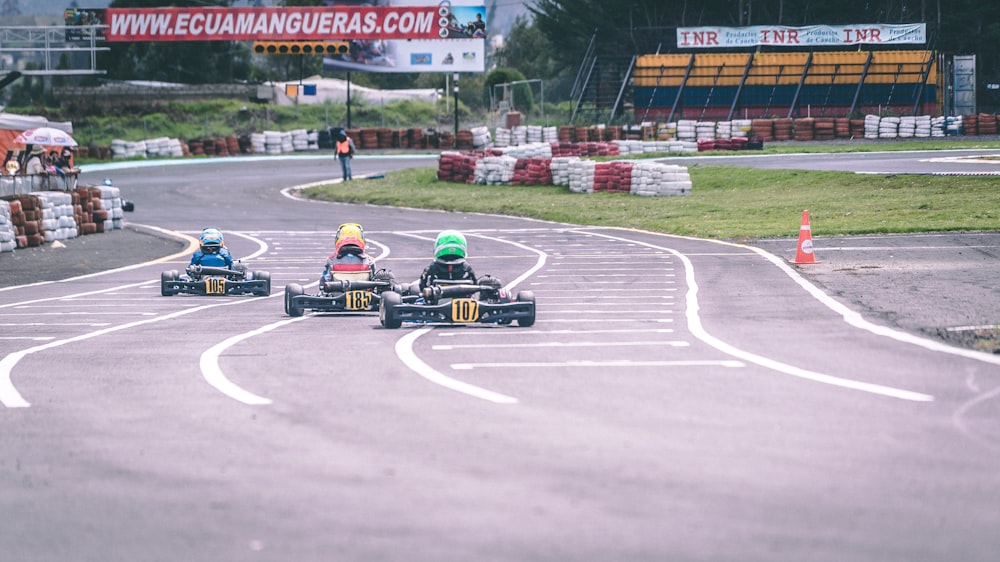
(527, 296)
(293, 290)
(167, 279)
(266, 278)
(386, 312)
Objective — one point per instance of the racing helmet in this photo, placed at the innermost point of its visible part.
(350, 239)
(211, 241)
(450, 246)
(213, 230)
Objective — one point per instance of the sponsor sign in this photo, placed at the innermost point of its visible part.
(394, 36)
(709, 37)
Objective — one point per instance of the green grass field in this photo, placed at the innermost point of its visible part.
(726, 202)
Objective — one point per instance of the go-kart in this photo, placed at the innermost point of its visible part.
(207, 280)
(486, 302)
(346, 293)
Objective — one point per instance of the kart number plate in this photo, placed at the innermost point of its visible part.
(464, 310)
(357, 300)
(215, 286)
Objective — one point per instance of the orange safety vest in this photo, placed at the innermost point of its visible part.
(344, 147)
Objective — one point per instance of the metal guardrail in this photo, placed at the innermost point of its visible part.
(22, 184)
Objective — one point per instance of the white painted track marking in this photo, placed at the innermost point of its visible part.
(669, 343)
(209, 364)
(532, 332)
(404, 346)
(9, 395)
(209, 361)
(192, 245)
(698, 331)
(601, 364)
(404, 350)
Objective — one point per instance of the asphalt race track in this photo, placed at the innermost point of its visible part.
(677, 399)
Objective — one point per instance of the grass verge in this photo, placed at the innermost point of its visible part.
(726, 202)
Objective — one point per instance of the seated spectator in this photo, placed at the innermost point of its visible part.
(61, 164)
(35, 169)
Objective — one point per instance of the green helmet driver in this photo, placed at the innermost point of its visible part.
(450, 246)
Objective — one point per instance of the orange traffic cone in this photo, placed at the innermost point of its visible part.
(804, 251)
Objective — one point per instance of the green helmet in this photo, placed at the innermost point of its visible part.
(450, 246)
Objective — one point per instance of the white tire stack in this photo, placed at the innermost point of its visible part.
(627, 147)
(533, 150)
(581, 176)
(888, 128)
(872, 126)
(111, 201)
(299, 139)
(494, 170)
(686, 130)
(724, 129)
(704, 130)
(258, 142)
(8, 242)
(683, 146)
(57, 215)
(922, 126)
(519, 135)
(954, 125)
(175, 148)
(502, 137)
(533, 134)
(938, 126)
(274, 142)
(907, 126)
(741, 127)
(560, 168)
(480, 137)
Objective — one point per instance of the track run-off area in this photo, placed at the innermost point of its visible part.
(676, 398)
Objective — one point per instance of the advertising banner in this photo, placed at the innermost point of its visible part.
(385, 36)
(709, 37)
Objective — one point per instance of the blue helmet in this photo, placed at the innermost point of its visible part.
(210, 240)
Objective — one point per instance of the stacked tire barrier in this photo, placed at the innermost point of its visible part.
(33, 219)
(481, 138)
(580, 175)
(8, 241)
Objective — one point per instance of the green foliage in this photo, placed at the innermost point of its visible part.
(519, 95)
(221, 118)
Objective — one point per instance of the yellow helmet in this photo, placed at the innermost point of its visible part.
(350, 238)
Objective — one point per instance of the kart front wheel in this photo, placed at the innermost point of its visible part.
(167, 279)
(527, 296)
(387, 312)
(292, 290)
(266, 278)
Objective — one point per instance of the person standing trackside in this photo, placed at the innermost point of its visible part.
(345, 152)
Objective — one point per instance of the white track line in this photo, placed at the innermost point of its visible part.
(209, 362)
(9, 395)
(404, 347)
(696, 328)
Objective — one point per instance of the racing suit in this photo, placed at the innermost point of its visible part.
(347, 263)
(222, 259)
(451, 271)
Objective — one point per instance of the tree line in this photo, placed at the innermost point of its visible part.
(550, 42)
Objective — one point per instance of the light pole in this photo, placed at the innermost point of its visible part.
(455, 79)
